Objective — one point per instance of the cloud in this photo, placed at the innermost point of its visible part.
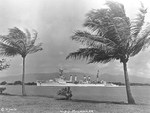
(61, 52)
(102, 65)
(76, 70)
(148, 65)
(56, 21)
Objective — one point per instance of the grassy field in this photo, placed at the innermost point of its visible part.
(39, 104)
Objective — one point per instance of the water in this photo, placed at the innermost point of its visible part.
(141, 94)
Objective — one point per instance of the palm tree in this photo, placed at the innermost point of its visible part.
(21, 43)
(111, 35)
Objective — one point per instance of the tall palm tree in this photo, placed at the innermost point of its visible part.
(111, 35)
(18, 42)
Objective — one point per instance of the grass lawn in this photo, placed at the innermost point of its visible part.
(37, 104)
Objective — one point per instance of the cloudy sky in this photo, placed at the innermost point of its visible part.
(56, 21)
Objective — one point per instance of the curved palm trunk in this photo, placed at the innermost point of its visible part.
(23, 78)
(128, 90)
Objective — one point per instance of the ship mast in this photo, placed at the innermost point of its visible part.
(61, 72)
(97, 77)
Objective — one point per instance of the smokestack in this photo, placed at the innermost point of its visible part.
(84, 78)
(89, 78)
(70, 78)
(75, 78)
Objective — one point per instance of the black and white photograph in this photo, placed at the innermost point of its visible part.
(74, 56)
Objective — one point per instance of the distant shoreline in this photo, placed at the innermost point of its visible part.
(116, 83)
(131, 84)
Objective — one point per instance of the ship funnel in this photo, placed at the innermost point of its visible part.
(75, 78)
(70, 78)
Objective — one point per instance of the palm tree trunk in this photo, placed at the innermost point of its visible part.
(128, 90)
(23, 78)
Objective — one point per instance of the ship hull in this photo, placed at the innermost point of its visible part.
(75, 85)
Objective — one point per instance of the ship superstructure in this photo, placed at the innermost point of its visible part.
(60, 81)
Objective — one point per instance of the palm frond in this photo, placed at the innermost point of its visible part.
(110, 23)
(34, 37)
(141, 40)
(92, 40)
(16, 33)
(19, 42)
(28, 34)
(103, 27)
(102, 59)
(8, 50)
(34, 48)
(116, 9)
(138, 22)
(93, 55)
(144, 32)
(97, 20)
(137, 47)
(84, 53)
(30, 38)
(122, 27)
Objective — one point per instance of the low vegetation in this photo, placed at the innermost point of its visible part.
(65, 92)
(17, 83)
(2, 89)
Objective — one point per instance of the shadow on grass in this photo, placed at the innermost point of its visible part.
(42, 96)
(98, 102)
(75, 100)
(7, 94)
(94, 101)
